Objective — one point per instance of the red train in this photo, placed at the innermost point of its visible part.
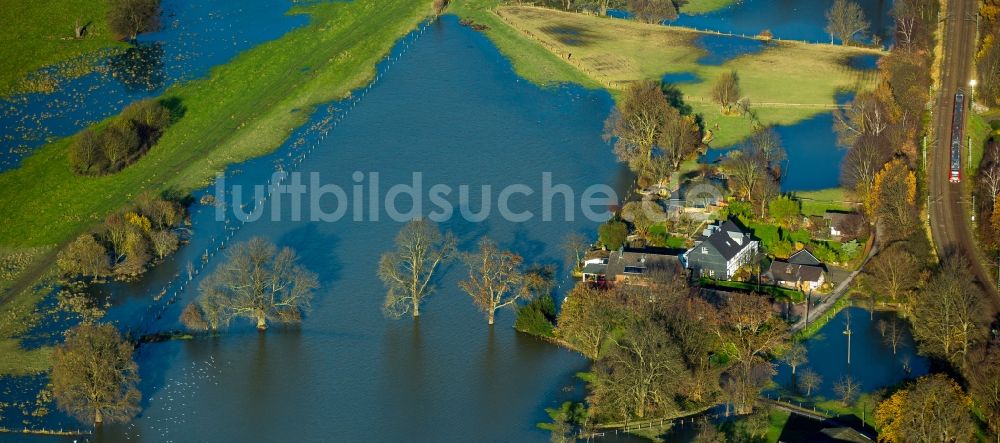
(957, 134)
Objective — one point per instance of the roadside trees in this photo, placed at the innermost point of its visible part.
(845, 20)
(258, 282)
(947, 314)
(408, 271)
(94, 377)
(934, 409)
(494, 278)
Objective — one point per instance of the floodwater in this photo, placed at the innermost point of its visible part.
(873, 364)
(451, 108)
(814, 157)
(787, 19)
(195, 36)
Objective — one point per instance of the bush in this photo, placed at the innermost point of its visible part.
(122, 142)
(612, 234)
(537, 317)
(193, 319)
(149, 114)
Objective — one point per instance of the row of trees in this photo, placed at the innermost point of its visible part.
(127, 241)
(988, 53)
(652, 135)
(496, 278)
(659, 349)
(99, 151)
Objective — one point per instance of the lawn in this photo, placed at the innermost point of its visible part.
(244, 109)
(39, 33)
(788, 81)
(778, 418)
(818, 202)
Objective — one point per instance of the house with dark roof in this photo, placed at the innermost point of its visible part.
(844, 225)
(632, 267)
(802, 271)
(722, 250)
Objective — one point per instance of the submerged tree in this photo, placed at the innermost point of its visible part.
(845, 20)
(494, 279)
(258, 282)
(94, 376)
(128, 18)
(409, 270)
(810, 380)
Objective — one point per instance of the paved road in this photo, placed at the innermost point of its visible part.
(950, 224)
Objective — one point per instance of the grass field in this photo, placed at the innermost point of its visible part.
(243, 109)
(39, 33)
(818, 202)
(788, 81)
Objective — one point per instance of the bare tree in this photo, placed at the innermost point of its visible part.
(847, 389)
(494, 279)
(749, 333)
(636, 123)
(845, 20)
(575, 246)
(652, 11)
(989, 180)
(948, 312)
(893, 335)
(94, 376)
(128, 18)
(679, 137)
(84, 256)
(795, 355)
(258, 282)
(726, 91)
(810, 380)
(893, 272)
(409, 270)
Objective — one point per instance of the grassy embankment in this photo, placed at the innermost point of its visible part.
(39, 33)
(787, 82)
(244, 109)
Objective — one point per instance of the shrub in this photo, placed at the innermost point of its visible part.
(120, 140)
(193, 319)
(537, 317)
(149, 114)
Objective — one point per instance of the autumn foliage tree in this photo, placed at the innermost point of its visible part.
(94, 377)
(933, 409)
(892, 200)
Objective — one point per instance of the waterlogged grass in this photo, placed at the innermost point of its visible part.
(18, 361)
(696, 7)
(244, 109)
(530, 60)
(39, 33)
(787, 82)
